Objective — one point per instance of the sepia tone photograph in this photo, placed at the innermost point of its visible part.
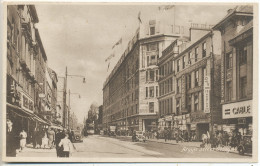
(130, 82)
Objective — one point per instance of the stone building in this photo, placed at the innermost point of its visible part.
(131, 90)
(237, 69)
(23, 44)
(189, 94)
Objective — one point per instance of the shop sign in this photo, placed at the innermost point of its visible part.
(201, 117)
(237, 110)
(207, 94)
(27, 103)
(183, 93)
(168, 118)
(241, 121)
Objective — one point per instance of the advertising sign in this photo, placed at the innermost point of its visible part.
(237, 110)
(207, 94)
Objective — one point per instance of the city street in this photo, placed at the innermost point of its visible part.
(121, 147)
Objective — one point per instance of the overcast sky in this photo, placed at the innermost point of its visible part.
(81, 36)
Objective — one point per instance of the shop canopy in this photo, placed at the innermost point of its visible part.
(25, 114)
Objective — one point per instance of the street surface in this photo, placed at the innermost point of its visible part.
(121, 147)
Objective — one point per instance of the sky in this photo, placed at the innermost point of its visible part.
(81, 37)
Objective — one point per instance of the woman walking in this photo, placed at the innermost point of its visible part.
(67, 146)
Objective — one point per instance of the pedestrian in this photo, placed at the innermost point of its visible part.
(66, 145)
(11, 142)
(45, 141)
(169, 134)
(165, 134)
(51, 137)
(34, 137)
(59, 135)
(23, 136)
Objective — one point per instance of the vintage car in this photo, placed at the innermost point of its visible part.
(139, 136)
(245, 145)
(77, 136)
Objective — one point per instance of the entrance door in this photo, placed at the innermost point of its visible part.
(202, 128)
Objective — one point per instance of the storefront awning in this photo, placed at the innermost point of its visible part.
(19, 111)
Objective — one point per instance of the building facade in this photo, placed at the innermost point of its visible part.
(22, 75)
(131, 90)
(237, 69)
(189, 85)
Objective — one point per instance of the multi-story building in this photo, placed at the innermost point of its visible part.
(131, 90)
(62, 113)
(190, 84)
(237, 69)
(22, 75)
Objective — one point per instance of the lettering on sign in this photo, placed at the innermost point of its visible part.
(237, 110)
(199, 117)
(222, 79)
(183, 91)
(207, 94)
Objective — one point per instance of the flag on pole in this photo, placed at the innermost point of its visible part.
(139, 17)
(166, 7)
(110, 57)
(117, 43)
(108, 66)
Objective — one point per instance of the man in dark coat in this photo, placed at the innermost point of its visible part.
(59, 135)
(11, 142)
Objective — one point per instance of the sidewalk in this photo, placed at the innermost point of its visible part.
(194, 145)
(29, 151)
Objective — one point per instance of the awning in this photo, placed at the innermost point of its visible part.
(20, 112)
(23, 113)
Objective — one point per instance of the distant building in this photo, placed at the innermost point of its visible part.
(237, 69)
(131, 90)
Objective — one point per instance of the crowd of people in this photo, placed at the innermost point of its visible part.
(42, 138)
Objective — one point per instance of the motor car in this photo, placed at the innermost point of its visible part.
(77, 136)
(245, 145)
(140, 136)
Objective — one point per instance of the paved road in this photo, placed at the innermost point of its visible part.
(106, 147)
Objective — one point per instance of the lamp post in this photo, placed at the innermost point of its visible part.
(65, 92)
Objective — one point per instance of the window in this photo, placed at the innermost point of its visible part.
(204, 47)
(196, 102)
(178, 65)
(189, 103)
(171, 85)
(183, 62)
(151, 75)
(197, 78)
(243, 85)
(189, 58)
(178, 85)
(152, 30)
(151, 91)
(229, 91)
(156, 91)
(157, 75)
(146, 92)
(242, 55)
(229, 60)
(148, 60)
(153, 60)
(151, 107)
(196, 54)
(188, 78)
(177, 106)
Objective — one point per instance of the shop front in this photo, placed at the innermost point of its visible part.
(200, 124)
(238, 116)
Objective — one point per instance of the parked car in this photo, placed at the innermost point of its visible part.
(140, 136)
(77, 136)
(245, 145)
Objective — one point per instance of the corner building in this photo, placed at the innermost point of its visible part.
(131, 90)
(237, 69)
(190, 85)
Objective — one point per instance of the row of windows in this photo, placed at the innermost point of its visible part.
(152, 75)
(242, 89)
(166, 86)
(187, 60)
(151, 92)
(166, 107)
(166, 69)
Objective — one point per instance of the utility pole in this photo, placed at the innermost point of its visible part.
(69, 111)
